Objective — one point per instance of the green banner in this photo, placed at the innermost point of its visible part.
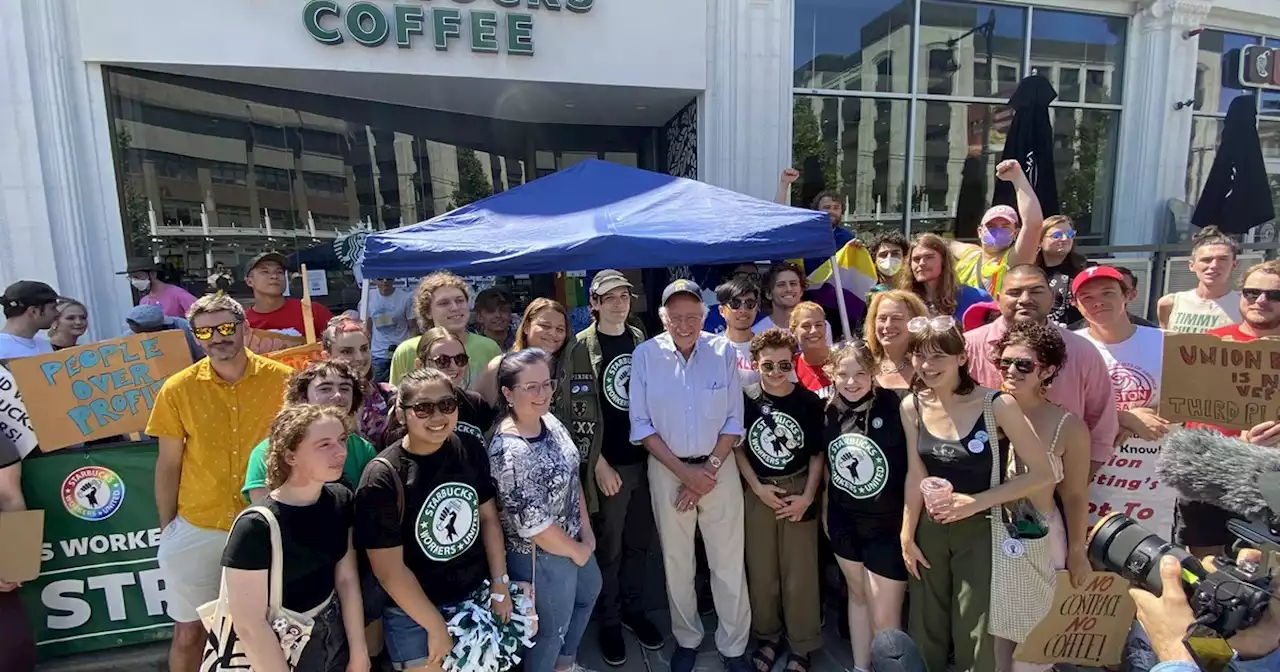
(99, 585)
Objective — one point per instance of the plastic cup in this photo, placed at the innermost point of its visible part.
(937, 494)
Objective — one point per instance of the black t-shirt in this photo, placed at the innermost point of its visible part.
(440, 529)
(967, 462)
(475, 417)
(1064, 311)
(782, 432)
(313, 538)
(615, 404)
(867, 458)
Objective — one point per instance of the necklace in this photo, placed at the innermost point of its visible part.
(890, 367)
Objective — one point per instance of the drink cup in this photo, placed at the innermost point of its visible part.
(937, 495)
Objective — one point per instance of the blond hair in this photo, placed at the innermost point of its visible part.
(914, 305)
(857, 351)
(1269, 267)
(287, 431)
(215, 303)
(425, 294)
(803, 307)
(537, 306)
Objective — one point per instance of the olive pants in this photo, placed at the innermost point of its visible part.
(950, 600)
(782, 571)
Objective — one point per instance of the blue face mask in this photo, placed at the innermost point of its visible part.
(996, 238)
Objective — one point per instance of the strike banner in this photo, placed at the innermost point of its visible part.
(1128, 484)
(98, 390)
(1085, 626)
(1226, 383)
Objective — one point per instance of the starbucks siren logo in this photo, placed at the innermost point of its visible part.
(858, 466)
(616, 378)
(449, 521)
(92, 493)
(775, 446)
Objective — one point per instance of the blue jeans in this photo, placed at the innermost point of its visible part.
(564, 595)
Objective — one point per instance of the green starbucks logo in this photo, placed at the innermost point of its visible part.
(470, 429)
(775, 445)
(449, 521)
(617, 376)
(858, 466)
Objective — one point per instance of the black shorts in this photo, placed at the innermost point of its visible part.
(872, 541)
(1201, 524)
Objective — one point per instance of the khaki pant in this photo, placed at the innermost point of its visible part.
(719, 516)
(951, 600)
(782, 571)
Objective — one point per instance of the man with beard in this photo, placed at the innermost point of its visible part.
(29, 308)
(268, 275)
(207, 417)
(784, 288)
(1083, 387)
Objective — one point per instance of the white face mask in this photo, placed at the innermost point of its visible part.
(140, 285)
(889, 265)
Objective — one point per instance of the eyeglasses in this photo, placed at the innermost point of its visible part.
(1252, 294)
(442, 361)
(426, 409)
(1019, 364)
(206, 333)
(940, 323)
(784, 367)
(538, 388)
(1062, 235)
(747, 275)
(739, 304)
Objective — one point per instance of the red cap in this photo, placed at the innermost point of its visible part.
(977, 314)
(1094, 273)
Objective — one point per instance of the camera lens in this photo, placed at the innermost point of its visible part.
(1119, 544)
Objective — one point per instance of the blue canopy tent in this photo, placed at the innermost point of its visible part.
(599, 215)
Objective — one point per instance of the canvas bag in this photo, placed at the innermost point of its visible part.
(1022, 576)
(223, 649)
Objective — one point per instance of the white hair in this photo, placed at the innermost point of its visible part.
(662, 313)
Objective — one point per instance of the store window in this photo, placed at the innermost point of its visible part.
(935, 141)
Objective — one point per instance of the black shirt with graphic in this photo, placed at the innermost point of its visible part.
(782, 433)
(475, 417)
(440, 529)
(615, 405)
(313, 539)
(867, 458)
(1064, 311)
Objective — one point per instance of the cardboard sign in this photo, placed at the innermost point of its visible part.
(15, 424)
(23, 534)
(263, 341)
(1225, 383)
(98, 390)
(1085, 626)
(298, 358)
(1128, 483)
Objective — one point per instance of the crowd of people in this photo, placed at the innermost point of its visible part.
(942, 457)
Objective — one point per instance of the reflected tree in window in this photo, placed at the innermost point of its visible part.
(472, 184)
(137, 226)
(814, 158)
(1081, 179)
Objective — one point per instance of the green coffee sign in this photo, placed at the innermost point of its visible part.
(487, 30)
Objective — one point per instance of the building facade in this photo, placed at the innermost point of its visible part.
(200, 133)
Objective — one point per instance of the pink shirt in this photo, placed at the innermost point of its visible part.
(1083, 387)
(174, 301)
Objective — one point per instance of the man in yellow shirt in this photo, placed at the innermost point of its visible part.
(442, 301)
(208, 417)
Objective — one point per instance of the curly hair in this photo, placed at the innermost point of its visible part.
(772, 276)
(295, 391)
(945, 303)
(425, 293)
(914, 304)
(537, 306)
(890, 238)
(287, 431)
(1044, 340)
(1212, 235)
(950, 342)
(772, 338)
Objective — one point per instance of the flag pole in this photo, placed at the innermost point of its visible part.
(844, 311)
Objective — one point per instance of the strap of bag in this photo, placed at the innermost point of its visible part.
(395, 478)
(275, 582)
(993, 443)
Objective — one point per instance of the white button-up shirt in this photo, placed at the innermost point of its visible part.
(688, 403)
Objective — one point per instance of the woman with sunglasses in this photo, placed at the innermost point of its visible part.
(948, 551)
(441, 349)
(545, 326)
(1029, 356)
(544, 513)
(809, 324)
(887, 337)
(1061, 263)
(72, 322)
(780, 459)
(426, 512)
(345, 340)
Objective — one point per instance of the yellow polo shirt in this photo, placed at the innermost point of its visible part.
(220, 424)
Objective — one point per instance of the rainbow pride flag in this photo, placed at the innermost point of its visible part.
(857, 272)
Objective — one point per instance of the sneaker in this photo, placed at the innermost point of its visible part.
(683, 660)
(644, 630)
(613, 648)
(577, 667)
(737, 664)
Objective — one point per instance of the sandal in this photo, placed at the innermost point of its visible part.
(765, 656)
(797, 663)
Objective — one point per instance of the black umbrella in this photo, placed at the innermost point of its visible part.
(1237, 195)
(1030, 141)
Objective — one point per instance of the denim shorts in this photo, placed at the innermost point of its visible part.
(406, 641)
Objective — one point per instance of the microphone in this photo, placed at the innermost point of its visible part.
(1205, 466)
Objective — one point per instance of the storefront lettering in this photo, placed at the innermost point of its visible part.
(488, 31)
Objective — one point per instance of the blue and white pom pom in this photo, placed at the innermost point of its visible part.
(481, 641)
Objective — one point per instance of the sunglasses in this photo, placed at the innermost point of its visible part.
(738, 304)
(206, 333)
(1019, 364)
(917, 325)
(1062, 235)
(442, 361)
(753, 277)
(426, 409)
(784, 367)
(538, 388)
(1252, 294)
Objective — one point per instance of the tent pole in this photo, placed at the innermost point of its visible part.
(364, 302)
(844, 311)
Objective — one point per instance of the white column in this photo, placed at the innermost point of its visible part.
(744, 118)
(1154, 137)
(59, 213)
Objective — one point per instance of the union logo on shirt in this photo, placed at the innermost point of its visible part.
(449, 521)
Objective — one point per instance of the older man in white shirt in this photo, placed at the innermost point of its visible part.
(686, 409)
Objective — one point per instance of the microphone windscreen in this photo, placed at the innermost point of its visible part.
(1205, 466)
(895, 651)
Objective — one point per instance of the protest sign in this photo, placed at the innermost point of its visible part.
(263, 341)
(23, 533)
(1226, 383)
(298, 358)
(1085, 626)
(15, 424)
(1128, 483)
(98, 390)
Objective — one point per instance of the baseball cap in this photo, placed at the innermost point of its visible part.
(1094, 273)
(608, 280)
(29, 294)
(978, 315)
(147, 318)
(268, 256)
(681, 287)
(1000, 212)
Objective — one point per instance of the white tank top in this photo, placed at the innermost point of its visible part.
(1193, 315)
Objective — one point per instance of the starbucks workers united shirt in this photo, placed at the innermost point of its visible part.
(782, 432)
(440, 527)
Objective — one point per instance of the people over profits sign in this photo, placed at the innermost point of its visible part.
(1085, 626)
(98, 390)
(1226, 383)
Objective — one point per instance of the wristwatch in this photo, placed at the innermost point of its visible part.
(715, 462)
(502, 580)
